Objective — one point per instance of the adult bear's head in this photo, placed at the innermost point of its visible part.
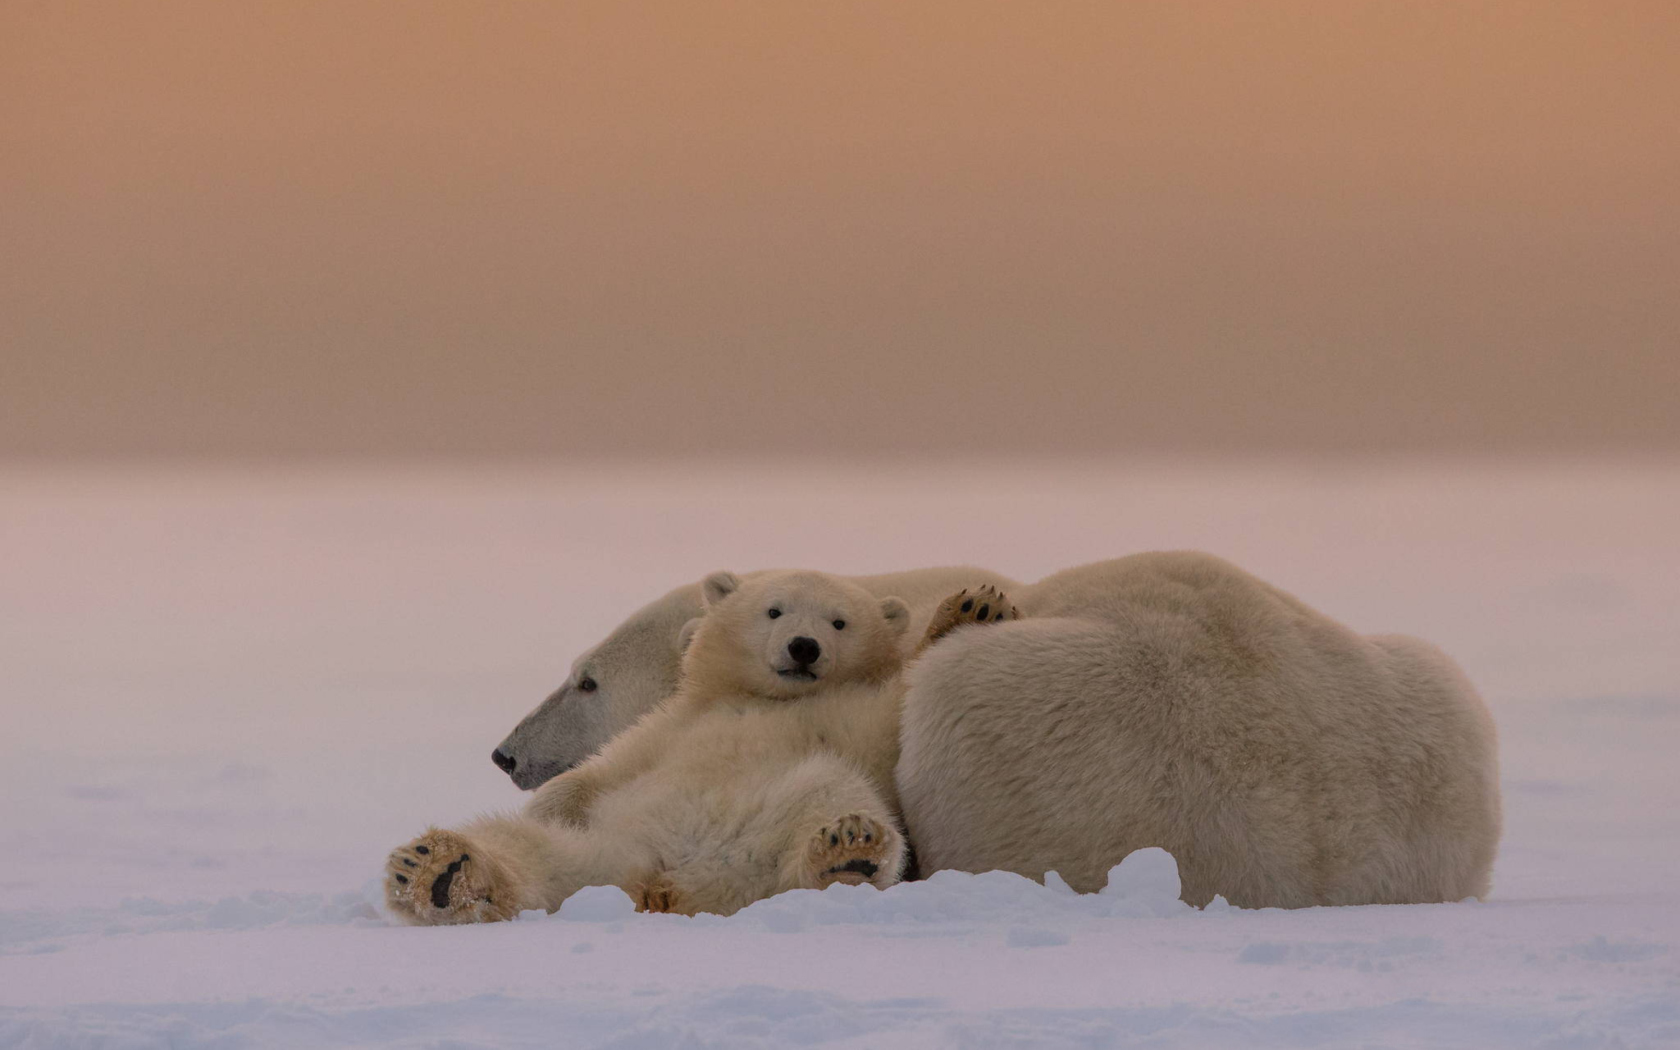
(609, 688)
(781, 635)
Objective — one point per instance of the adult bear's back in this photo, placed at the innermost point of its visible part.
(1170, 699)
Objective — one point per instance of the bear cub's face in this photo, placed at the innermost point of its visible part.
(784, 634)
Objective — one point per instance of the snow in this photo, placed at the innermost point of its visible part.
(226, 695)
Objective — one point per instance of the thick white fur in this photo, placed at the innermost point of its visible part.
(636, 666)
(1173, 700)
(723, 794)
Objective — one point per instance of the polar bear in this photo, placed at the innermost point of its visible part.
(769, 769)
(630, 671)
(1171, 699)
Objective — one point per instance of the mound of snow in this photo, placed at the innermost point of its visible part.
(1144, 884)
(597, 904)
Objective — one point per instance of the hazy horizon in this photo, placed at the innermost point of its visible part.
(390, 231)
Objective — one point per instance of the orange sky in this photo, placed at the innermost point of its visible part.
(521, 229)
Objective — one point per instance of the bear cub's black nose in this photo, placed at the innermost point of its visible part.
(504, 762)
(804, 650)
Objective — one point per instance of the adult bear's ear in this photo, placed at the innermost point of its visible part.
(896, 613)
(686, 635)
(718, 586)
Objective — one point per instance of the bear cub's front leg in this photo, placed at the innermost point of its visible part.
(986, 605)
(564, 800)
(658, 892)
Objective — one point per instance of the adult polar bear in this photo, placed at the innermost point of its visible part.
(1173, 700)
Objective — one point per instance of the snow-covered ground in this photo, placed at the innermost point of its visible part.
(225, 695)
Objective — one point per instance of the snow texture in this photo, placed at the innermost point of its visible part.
(226, 697)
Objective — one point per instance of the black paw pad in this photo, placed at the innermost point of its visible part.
(866, 868)
(440, 888)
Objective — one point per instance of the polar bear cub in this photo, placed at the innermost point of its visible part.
(770, 768)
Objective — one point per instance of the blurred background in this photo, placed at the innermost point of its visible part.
(407, 230)
(361, 364)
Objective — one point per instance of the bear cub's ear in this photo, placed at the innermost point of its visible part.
(718, 586)
(686, 635)
(896, 613)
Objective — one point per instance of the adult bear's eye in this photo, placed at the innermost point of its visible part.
(775, 613)
(839, 625)
(586, 685)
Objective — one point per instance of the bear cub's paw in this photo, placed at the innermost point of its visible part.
(985, 605)
(657, 893)
(441, 878)
(854, 850)
(564, 800)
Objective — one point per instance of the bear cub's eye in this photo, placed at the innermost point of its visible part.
(775, 613)
(839, 625)
(586, 685)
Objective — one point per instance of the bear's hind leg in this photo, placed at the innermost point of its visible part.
(443, 878)
(985, 605)
(498, 866)
(854, 849)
